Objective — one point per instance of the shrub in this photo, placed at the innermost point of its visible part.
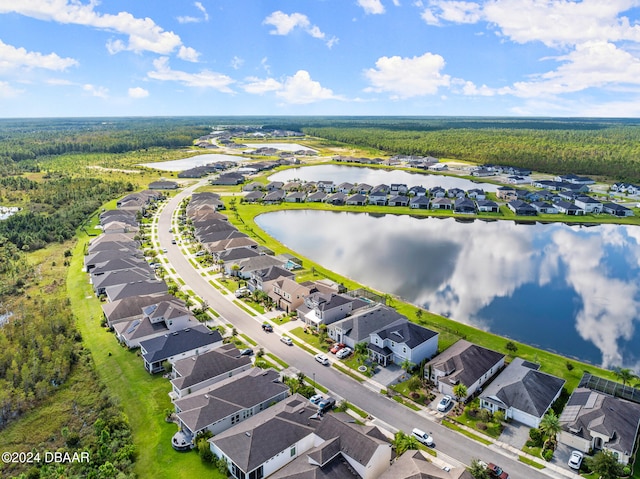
(569, 366)
(626, 471)
(547, 454)
(484, 415)
(481, 426)
(536, 437)
(414, 395)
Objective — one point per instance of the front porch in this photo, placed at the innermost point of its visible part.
(383, 356)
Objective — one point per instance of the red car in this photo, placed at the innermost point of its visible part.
(337, 347)
(496, 471)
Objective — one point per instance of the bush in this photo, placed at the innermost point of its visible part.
(569, 366)
(537, 438)
(484, 415)
(547, 454)
(626, 471)
(481, 426)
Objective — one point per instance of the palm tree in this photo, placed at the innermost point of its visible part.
(550, 425)
(407, 365)
(460, 391)
(478, 470)
(361, 348)
(625, 375)
(403, 443)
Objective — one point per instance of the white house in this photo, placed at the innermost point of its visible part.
(402, 341)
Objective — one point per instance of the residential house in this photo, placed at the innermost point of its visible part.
(518, 180)
(345, 188)
(356, 200)
(456, 193)
(413, 465)
(522, 392)
(99, 258)
(363, 188)
(588, 204)
(594, 421)
(463, 363)
(317, 197)
(483, 172)
(506, 193)
(287, 294)
(464, 205)
(295, 197)
(439, 167)
(274, 185)
(262, 279)
(543, 207)
(575, 179)
(399, 200)
(336, 199)
(398, 189)
(292, 186)
(231, 178)
(253, 196)
(419, 202)
(617, 210)
(119, 264)
(567, 208)
(402, 341)
(139, 288)
(129, 309)
(437, 192)
(273, 197)
(260, 445)
(441, 204)
(358, 327)
(378, 197)
(341, 449)
(326, 186)
(178, 345)
(417, 191)
(521, 208)
(476, 194)
(227, 403)
(245, 267)
(382, 187)
(253, 186)
(487, 206)
(575, 187)
(163, 185)
(114, 278)
(325, 308)
(201, 371)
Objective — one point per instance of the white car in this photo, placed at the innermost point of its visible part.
(423, 437)
(575, 460)
(316, 398)
(322, 358)
(240, 292)
(444, 403)
(286, 340)
(344, 352)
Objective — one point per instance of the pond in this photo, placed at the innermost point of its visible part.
(569, 289)
(188, 163)
(375, 176)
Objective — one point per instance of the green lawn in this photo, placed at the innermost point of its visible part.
(143, 397)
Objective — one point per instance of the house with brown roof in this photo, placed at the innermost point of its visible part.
(413, 465)
(287, 294)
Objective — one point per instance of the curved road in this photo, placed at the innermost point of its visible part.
(448, 442)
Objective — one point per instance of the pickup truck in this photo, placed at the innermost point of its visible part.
(496, 471)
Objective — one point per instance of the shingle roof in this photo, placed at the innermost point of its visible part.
(413, 465)
(361, 324)
(404, 331)
(158, 349)
(128, 308)
(465, 362)
(523, 387)
(139, 288)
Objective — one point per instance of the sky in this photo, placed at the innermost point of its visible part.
(559, 58)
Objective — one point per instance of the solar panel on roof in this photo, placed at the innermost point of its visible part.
(591, 401)
(133, 326)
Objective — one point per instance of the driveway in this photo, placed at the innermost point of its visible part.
(515, 434)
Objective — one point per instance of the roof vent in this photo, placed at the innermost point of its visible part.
(248, 434)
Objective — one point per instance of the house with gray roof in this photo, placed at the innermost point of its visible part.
(522, 392)
(413, 465)
(120, 277)
(178, 345)
(139, 288)
(419, 202)
(273, 197)
(117, 264)
(463, 363)
(341, 449)
(261, 279)
(617, 210)
(198, 372)
(128, 309)
(229, 402)
(260, 445)
(358, 327)
(317, 197)
(487, 206)
(402, 341)
(441, 204)
(357, 199)
(99, 258)
(325, 308)
(247, 266)
(253, 196)
(594, 421)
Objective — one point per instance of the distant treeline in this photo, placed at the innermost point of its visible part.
(56, 208)
(22, 140)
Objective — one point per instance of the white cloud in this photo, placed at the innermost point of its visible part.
(12, 58)
(260, 86)
(188, 54)
(453, 11)
(236, 62)
(203, 79)
(98, 91)
(373, 7)
(138, 92)
(284, 24)
(7, 91)
(408, 77)
(301, 89)
(469, 88)
(143, 33)
(190, 19)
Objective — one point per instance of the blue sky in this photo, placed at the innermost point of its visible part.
(320, 57)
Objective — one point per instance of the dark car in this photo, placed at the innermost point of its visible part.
(267, 327)
(246, 352)
(326, 405)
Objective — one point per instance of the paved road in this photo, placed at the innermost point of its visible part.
(448, 443)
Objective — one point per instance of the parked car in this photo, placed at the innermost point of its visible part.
(240, 292)
(496, 471)
(286, 340)
(164, 250)
(336, 347)
(315, 399)
(267, 327)
(444, 403)
(576, 460)
(246, 352)
(322, 358)
(423, 437)
(344, 352)
(200, 253)
(326, 404)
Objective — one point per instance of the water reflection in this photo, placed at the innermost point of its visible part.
(569, 289)
(375, 176)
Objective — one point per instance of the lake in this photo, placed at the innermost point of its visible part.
(569, 289)
(188, 163)
(375, 176)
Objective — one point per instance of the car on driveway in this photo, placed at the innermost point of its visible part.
(444, 403)
(322, 358)
(423, 437)
(326, 404)
(575, 460)
(336, 347)
(344, 352)
(286, 340)
(315, 399)
(246, 352)
(241, 292)
(496, 471)
(267, 327)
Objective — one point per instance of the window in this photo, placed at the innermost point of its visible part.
(293, 451)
